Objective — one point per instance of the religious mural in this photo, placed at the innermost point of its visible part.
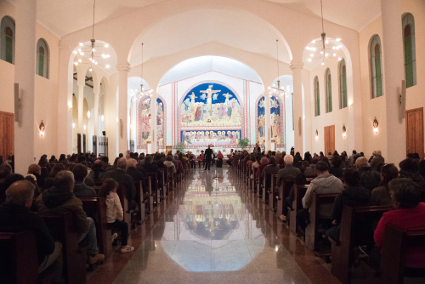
(210, 113)
(276, 121)
(144, 115)
(211, 137)
(210, 105)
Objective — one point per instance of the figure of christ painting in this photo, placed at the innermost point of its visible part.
(210, 137)
(276, 121)
(210, 104)
(144, 129)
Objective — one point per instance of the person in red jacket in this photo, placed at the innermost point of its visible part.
(410, 214)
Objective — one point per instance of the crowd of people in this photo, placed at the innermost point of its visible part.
(357, 181)
(55, 185)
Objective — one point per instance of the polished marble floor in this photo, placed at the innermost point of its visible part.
(209, 231)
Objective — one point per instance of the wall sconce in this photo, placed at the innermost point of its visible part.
(375, 125)
(102, 117)
(88, 114)
(316, 134)
(42, 128)
(84, 127)
(70, 107)
(344, 131)
(73, 125)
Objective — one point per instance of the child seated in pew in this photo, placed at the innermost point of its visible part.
(114, 212)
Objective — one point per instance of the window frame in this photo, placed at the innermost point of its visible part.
(316, 96)
(42, 43)
(376, 67)
(410, 54)
(328, 90)
(343, 95)
(7, 41)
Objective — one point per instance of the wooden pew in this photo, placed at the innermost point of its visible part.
(284, 189)
(103, 233)
(142, 201)
(64, 230)
(265, 189)
(317, 200)
(18, 262)
(156, 195)
(161, 177)
(270, 192)
(297, 204)
(356, 229)
(122, 193)
(150, 194)
(395, 245)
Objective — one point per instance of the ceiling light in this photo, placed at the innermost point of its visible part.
(309, 60)
(88, 114)
(79, 60)
(96, 63)
(326, 41)
(79, 49)
(84, 127)
(321, 52)
(93, 49)
(75, 63)
(323, 63)
(90, 69)
(311, 55)
(334, 54)
(102, 117)
(339, 58)
(314, 41)
(338, 39)
(326, 55)
(107, 66)
(75, 52)
(81, 44)
(106, 45)
(73, 125)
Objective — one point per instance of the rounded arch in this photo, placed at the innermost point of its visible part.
(43, 58)
(375, 66)
(7, 49)
(187, 12)
(277, 123)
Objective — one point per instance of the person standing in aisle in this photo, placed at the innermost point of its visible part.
(208, 157)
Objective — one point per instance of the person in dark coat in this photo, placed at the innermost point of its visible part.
(16, 216)
(208, 157)
(80, 188)
(119, 175)
(353, 195)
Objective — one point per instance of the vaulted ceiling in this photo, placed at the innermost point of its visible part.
(64, 16)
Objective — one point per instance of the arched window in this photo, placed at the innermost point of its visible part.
(409, 49)
(328, 81)
(7, 50)
(316, 96)
(42, 68)
(342, 84)
(376, 66)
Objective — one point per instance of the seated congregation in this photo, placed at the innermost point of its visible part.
(64, 217)
(349, 210)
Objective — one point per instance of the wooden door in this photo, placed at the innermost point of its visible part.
(329, 139)
(415, 132)
(6, 134)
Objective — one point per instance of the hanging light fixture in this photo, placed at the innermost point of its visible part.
(91, 52)
(274, 87)
(325, 47)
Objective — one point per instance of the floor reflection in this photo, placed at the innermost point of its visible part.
(212, 229)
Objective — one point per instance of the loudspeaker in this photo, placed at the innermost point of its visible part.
(104, 133)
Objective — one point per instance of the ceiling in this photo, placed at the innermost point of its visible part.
(63, 16)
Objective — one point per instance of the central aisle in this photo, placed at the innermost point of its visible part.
(211, 234)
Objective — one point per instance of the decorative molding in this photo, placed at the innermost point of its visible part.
(123, 67)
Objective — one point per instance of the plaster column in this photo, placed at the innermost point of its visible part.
(96, 111)
(25, 47)
(296, 68)
(81, 82)
(393, 71)
(267, 113)
(153, 121)
(65, 87)
(123, 70)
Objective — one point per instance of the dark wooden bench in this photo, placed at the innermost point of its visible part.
(317, 201)
(357, 224)
(18, 262)
(142, 201)
(297, 204)
(122, 193)
(394, 248)
(272, 200)
(64, 230)
(284, 190)
(103, 232)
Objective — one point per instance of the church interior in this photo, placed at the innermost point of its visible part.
(231, 113)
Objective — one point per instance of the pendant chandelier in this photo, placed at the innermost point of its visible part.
(90, 53)
(324, 47)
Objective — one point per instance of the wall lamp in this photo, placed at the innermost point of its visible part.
(375, 125)
(42, 127)
(344, 131)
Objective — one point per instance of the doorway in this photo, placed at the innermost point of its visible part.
(415, 132)
(329, 139)
(6, 134)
